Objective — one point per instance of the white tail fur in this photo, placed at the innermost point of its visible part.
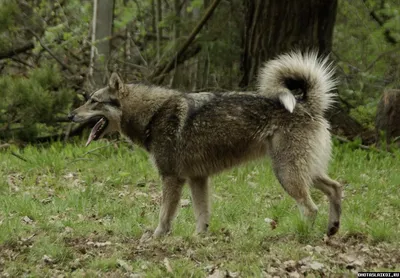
(295, 71)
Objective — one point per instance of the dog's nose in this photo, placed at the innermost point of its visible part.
(71, 116)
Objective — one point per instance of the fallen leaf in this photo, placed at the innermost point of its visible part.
(68, 230)
(252, 184)
(308, 248)
(348, 257)
(46, 200)
(217, 274)
(272, 222)
(185, 203)
(69, 176)
(167, 265)
(316, 265)
(140, 194)
(233, 274)
(127, 267)
(27, 220)
(99, 244)
(209, 268)
(294, 274)
(136, 275)
(47, 259)
(290, 265)
(318, 249)
(28, 239)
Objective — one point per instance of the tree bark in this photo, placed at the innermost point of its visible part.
(158, 28)
(175, 79)
(103, 16)
(272, 27)
(388, 117)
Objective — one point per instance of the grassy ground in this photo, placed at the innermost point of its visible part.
(83, 212)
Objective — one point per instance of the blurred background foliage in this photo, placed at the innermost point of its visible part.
(45, 55)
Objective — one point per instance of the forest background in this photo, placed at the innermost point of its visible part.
(53, 54)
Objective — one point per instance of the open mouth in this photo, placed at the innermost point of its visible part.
(97, 130)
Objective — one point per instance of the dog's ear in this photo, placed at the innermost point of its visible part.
(115, 82)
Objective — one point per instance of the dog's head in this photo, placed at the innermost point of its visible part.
(103, 106)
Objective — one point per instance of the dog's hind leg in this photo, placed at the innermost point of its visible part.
(297, 187)
(171, 195)
(201, 204)
(333, 190)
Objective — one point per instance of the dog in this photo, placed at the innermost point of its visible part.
(192, 136)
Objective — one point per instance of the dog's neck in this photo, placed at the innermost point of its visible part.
(138, 109)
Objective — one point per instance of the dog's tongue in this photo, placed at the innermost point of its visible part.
(93, 132)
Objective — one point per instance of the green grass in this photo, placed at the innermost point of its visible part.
(75, 211)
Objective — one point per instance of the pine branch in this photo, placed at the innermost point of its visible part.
(11, 53)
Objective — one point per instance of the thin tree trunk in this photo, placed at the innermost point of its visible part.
(193, 67)
(175, 79)
(103, 16)
(158, 28)
(203, 65)
(153, 16)
(128, 46)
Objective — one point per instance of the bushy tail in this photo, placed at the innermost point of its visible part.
(296, 77)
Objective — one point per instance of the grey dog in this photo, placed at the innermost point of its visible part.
(191, 136)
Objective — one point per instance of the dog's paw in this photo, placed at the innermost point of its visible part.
(160, 232)
(147, 236)
(333, 229)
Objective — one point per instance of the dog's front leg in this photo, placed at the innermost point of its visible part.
(171, 195)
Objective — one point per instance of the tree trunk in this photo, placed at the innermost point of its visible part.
(158, 28)
(272, 27)
(204, 62)
(388, 117)
(128, 46)
(103, 16)
(176, 76)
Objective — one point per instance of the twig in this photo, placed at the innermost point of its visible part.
(89, 152)
(5, 146)
(95, 149)
(22, 62)
(16, 51)
(81, 158)
(74, 132)
(63, 65)
(360, 146)
(381, 56)
(381, 22)
(20, 157)
(160, 73)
